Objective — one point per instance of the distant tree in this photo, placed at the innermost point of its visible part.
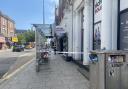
(21, 39)
(30, 36)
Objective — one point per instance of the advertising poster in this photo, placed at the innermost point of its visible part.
(97, 24)
(97, 36)
(124, 31)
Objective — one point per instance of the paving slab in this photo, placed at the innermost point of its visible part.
(58, 74)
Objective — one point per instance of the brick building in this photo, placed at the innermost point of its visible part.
(7, 25)
(7, 29)
(11, 28)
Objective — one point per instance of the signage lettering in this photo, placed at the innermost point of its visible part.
(98, 6)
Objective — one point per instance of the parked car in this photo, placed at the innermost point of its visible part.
(18, 48)
(28, 46)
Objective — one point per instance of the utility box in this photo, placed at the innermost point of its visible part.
(108, 70)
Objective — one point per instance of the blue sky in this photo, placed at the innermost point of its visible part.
(27, 12)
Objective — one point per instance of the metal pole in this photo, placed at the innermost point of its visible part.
(43, 13)
(36, 43)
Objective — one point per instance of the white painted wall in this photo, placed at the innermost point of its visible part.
(109, 24)
(78, 5)
(77, 36)
(69, 31)
(88, 28)
(123, 4)
(74, 32)
(114, 23)
(106, 31)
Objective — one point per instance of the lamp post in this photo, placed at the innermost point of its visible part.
(43, 13)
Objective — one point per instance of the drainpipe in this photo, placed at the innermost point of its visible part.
(43, 13)
(72, 29)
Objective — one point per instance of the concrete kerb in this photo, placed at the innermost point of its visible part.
(4, 78)
(17, 63)
(5, 50)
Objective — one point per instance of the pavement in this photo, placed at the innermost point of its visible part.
(57, 74)
(5, 50)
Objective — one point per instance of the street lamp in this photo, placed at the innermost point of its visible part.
(43, 13)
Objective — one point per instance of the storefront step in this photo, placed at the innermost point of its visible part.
(83, 69)
(84, 72)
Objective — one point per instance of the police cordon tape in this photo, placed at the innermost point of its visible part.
(70, 52)
(74, 52)
(59, 52)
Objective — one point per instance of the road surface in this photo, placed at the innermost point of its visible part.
(10, 61)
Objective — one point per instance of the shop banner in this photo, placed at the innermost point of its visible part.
(14, 39)
(59, 31)
(97, 10)
(2, 39)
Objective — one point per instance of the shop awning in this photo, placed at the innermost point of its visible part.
(14, 39)
(2, 39)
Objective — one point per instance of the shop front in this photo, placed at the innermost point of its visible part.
(8, 42)
(110, 25)
(59, 34)
(105, 24)
(2, 42)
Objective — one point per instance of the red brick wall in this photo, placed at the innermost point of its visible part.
(11, 28)
(4, 26)
(7, 26)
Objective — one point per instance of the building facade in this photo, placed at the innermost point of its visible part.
(7, 25)
(65, 22)
(95, 25)
(11, 28)
(7, 30)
